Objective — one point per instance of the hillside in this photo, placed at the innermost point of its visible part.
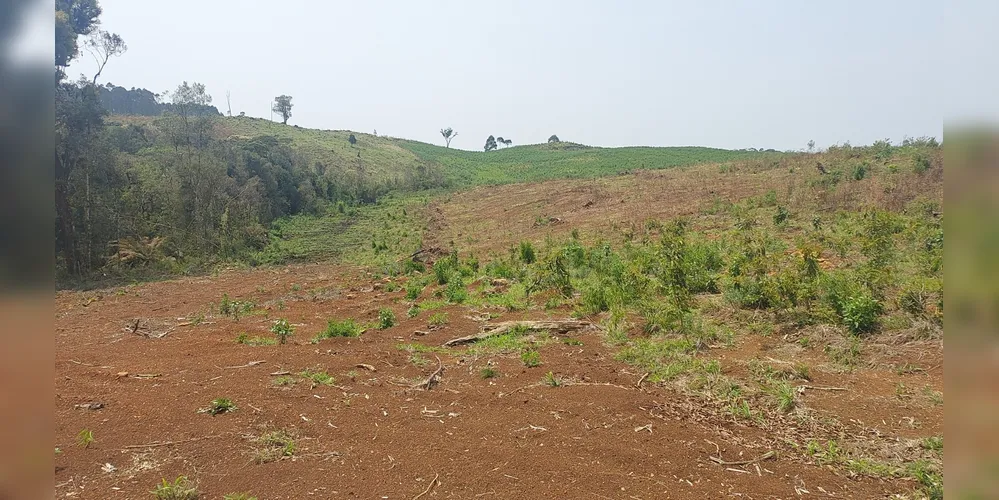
(386, 159)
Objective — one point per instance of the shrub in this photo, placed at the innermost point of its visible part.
(345, 328)
(859, 172)
(860, 313)
(180, 489)
(413, 289)
(531, 358)
(527, 255)
(438, 319)
(781, 216)
(282, 329)
(455, 291)
(445, 268)
(386, 318)
(412, 266)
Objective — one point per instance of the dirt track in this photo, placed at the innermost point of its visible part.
(372, 437)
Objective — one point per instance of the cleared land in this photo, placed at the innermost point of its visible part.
(731, 353)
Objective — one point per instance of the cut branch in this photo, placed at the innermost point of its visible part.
(492, 329)
(719, 461)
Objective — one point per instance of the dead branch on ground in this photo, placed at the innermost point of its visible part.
(492, 329)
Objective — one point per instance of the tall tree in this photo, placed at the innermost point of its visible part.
(554, 138)
(490, 144)
(103, 46)
(506, 142)
(72, 19)
(448, 134)
(282, 106)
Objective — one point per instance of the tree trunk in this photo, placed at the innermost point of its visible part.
(66, 227)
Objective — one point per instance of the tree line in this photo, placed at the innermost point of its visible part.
(175, 191)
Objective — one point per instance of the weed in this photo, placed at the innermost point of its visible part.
(781, 216)
(531, 358)
(935, 397)
(413, 289)
(488, 372)
(930, 479)
(933, 443)
(552, 380)
(284, 381)
(234, 308)
(245, 339)
(85, 438)
(527, 255)
(413, 311)
(282, 329)
(860, 313)
(317, 378)
(455, 291)
(344, 328)
(273, 446)
(847, 355)
(572, 342)
(219, 406)
(785, 395)
(801, 372)
(386, 318)
(741, 409)
(180, 489)
(859, 172)
(438, 319)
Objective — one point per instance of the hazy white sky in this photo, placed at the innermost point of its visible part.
(724, 74)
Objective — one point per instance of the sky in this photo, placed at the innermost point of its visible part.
(764, 74)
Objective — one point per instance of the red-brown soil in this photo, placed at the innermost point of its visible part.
(373, 437)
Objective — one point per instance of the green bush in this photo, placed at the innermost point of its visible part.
(282, 329)
(414, 288)
(345, 328)
(455, 291)
(386, 318)
(446, 267)
(527, 255)
(860, 313)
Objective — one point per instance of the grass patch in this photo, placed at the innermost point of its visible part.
(487, 373)
(85, 438)
(219, 406)
(273, 446)
(180, 489)
(245, 339)
(345, 328)
(531, 358)
(317, 378)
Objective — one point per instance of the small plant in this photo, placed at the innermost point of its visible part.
(531, 358)
(238, 496)
(273, 446)
(219, 406)
(386, 318)
(859, 172)
(780, 218)
(318, 378)
(345, 328)
(552, 380)
(801, 372)
(488, 372)
(438, 319)
(860, 313)
(572, 342)
(933, 443)
(455, 291)
(283, 330)
(413, 289)
(786, 400)
(284, 381)
(527, 252)
(245, 339)
(85, 438)
(234, 308)
(413, 311)
(741, 409)
(180, 489)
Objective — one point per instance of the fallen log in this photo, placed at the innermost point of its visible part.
(491, 329)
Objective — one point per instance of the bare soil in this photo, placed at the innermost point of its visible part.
(372, 436)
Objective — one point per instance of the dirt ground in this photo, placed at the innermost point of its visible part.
(372, 436)
(378, 434)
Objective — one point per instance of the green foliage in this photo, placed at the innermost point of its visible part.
(238, 496)
(527, 252)
(552, 380)
(386, 318)
(531, 358)
(282, 329)
(860, 171)
(282, 106)
(781, 216)
(273, 446)
(245, 339)
(85, 438)
(219, 406)
(341, 328)
(488, 372)
(180, 489)
(860, 313)
(414, 288)
(438, 319)
(455, 291)
(317, 378)
(234, 308)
